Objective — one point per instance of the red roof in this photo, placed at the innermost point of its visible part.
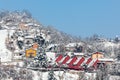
(66, 59)
(59, 58)
(97, 53)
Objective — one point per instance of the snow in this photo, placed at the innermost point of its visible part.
(58, 75)
(90, 75)
(106, 59)
(114, 78)
(4, 26)
(45, 76)
(35, 75)
(69, 53)
(73, 44)
(51, 56)
(52, 45)
(5, 54)
(17, 63)
(108, 44)
(29, 37)
(79, 54)
(17, 57)
(38, 75)
(20, 38)
(70, 76)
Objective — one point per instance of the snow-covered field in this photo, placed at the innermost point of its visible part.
(64, 75)
(5, 54)
(114, 78)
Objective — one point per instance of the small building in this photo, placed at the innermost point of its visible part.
(97, 55)
(30, 53)
(28, 40)
(22, 26)
(75, 47)
(70, 47)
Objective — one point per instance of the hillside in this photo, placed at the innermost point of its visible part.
(11, 20)
(30, 51)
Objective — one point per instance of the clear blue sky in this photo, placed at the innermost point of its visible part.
(77, 17)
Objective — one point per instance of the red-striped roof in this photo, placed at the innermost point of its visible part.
(75, 62)
(58, 58)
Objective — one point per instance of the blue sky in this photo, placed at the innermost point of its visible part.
(77, 17)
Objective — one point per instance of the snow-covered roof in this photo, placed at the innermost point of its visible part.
(36, 24)
(29, 24)
(20, 38)
(108, 44)
(51, 55)
(106, 59)
(52, 45)
(97, 53)
(80, 54)
(73, 44)
(29, 37)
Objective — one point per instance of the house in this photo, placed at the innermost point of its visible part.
(97, 55)
(22, 26)
(30, 53)
(75, 47)
(70, 46)
(29, 40)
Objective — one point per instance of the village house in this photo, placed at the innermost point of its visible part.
(74, 47)
(97, 55)
(29, 40)
(30, 53)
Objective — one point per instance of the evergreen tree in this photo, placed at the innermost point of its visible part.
(118, 56)
(117, 39)
(51, 75)
(41, 60)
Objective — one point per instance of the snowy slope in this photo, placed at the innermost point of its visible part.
(5, 54)
(51, 57)
(64, 75)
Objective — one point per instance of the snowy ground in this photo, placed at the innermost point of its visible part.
(5, 54)
(114, 78)
(64, 75)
